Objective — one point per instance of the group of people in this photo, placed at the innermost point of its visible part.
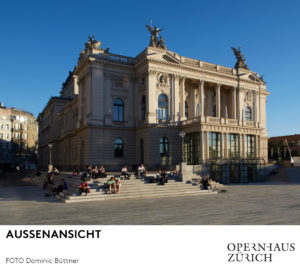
(113, 185)
(96, 172)
(161, 177)
(50, 186)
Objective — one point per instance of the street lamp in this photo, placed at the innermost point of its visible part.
(50, 161)
(182, 134)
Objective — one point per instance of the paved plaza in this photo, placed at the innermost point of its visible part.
(273, 202)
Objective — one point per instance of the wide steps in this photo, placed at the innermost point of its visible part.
(130, 189)
(103, 197)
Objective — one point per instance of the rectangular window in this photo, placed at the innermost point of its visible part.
(17, 135)
(214, 144)
(26, 136)
(233, 145)
(25, 127)
(250, 146)
(1, 126)
(17, 126)
(1, 136)
(7, 136)
(6, 127)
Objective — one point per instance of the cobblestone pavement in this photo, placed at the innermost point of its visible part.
(254, 204)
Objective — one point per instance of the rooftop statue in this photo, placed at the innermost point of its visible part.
(154, 41)
(241, 61)
(92, 43)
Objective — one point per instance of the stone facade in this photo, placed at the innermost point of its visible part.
(116, 110)
(18, 137)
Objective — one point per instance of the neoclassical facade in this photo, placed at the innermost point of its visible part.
(115, 110)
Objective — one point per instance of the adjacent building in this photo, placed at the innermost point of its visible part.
(115, 110)
(284, 146)
(18, 137)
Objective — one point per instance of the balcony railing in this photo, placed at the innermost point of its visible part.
(222, 121)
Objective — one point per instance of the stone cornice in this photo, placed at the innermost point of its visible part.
(201, 70)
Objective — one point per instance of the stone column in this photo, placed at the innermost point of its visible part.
(225, 146)
(256, 104)
(151, 98)
(241, 146)
(234, 102)
(206, 146)
(218, 100)
(75, 82)
(182, 93)
(239, 104)
(256, 146)
(89, 93)
(108, 104)
(201, 85)
(222, 145)
(79, 101)
(203, 146)
(176, 115)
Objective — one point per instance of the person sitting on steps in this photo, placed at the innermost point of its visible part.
(111, 183)
(124, 172)
(84, 187)
(141, 171)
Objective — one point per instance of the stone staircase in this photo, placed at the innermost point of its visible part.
(130, 189)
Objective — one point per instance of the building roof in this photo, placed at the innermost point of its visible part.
(285, 137)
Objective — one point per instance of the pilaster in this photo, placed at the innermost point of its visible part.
(151, 98)
(201, 86)
(218, 100)
(234, 102)
(182, 93)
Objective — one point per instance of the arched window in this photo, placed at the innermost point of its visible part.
(247, 114)
(164, 146)
(143, 107)
(118, 110)
(119, 148)
(186, 110)
(162, 107)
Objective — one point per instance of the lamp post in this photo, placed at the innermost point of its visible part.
(50, 161)
(182, 134)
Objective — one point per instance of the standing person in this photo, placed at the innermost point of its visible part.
(124, 172)
(118, 185)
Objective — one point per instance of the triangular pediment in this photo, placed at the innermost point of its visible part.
(171, 59)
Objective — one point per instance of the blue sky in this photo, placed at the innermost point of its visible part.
(41, 42)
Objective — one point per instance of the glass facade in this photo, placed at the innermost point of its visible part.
(233, 146)
(250, 146)
(214, 144)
